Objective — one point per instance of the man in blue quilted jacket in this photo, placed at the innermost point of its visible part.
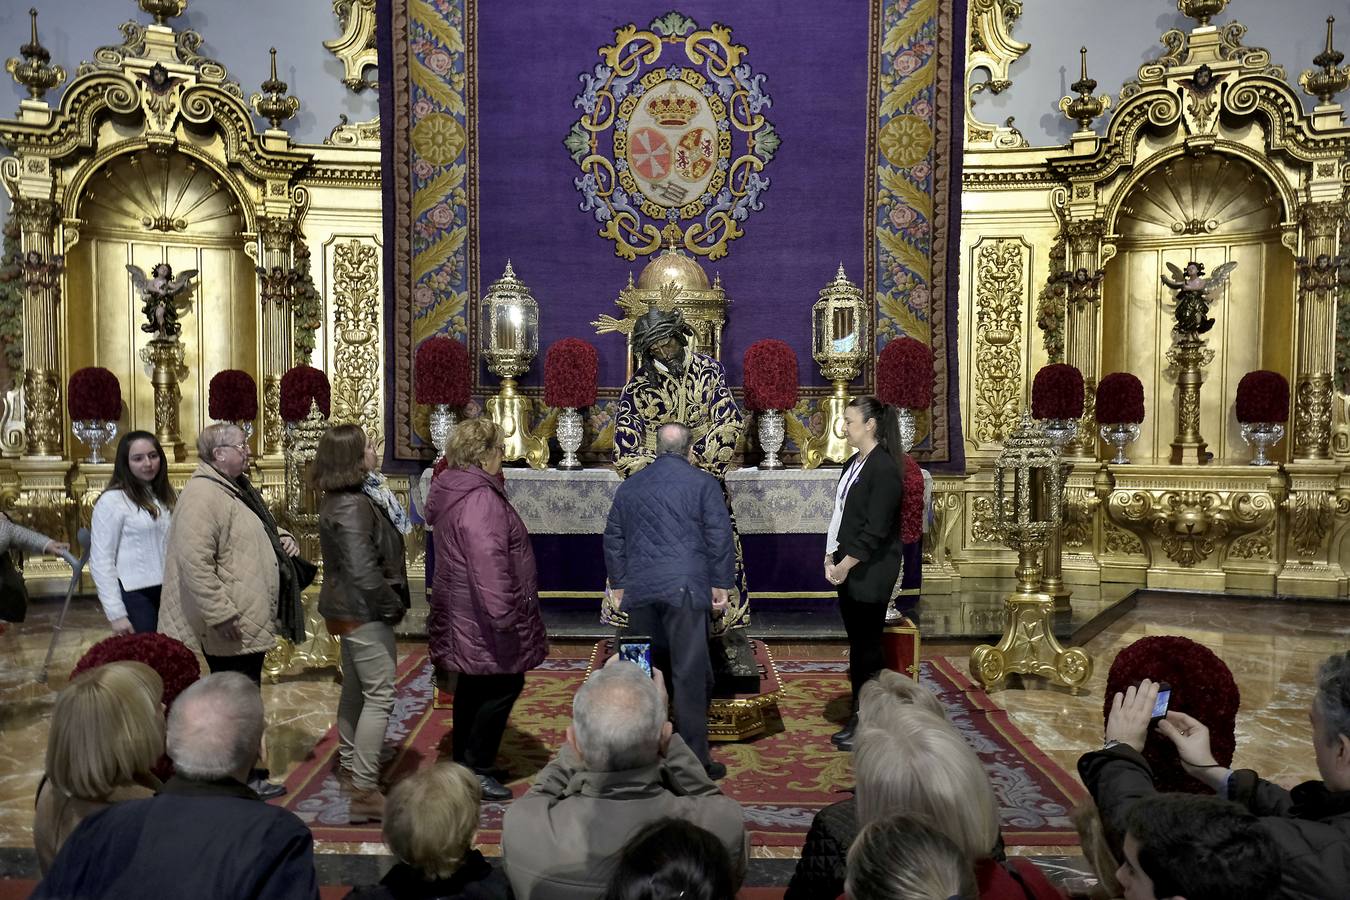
(671, 562)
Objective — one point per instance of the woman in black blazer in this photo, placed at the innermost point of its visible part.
(862, 550)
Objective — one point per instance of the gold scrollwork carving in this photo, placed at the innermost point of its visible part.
(1311, 514)
(356, 46)
(1312, 416)
(356, 320)
(1117, 540)
(42, 412)
(993, 50)
(1259, 545)
(1080, 507)
(984, 519)
(942, 541)
(1190, 524)
(1000, 286)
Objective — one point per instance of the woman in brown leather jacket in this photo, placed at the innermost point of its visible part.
(364, 594)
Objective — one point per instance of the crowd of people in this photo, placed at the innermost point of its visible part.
(140, 801)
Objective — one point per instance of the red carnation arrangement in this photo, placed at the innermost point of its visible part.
(571, 373)
(175, 664)
(1120, 399)
(1263, 396)
(232, 396)
(300, 385)
(441, 370)
(911, 506)
(1057, 393)
(94, 393)
(905, 374)
(1202, 687)
(770, 376)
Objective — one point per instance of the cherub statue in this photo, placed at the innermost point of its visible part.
(1193, 294)
(164, 298)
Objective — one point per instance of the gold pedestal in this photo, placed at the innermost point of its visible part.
(165, 357)
(1189, 356)
(1052, 562)
(832, 443)
(512, 412)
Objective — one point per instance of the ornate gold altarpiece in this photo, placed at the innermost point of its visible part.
(151, 153)
(1224, 165)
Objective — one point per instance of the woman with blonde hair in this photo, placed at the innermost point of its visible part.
(904, 858)
(484, 620)
(430, 820)
(107, 733)
(364, 595)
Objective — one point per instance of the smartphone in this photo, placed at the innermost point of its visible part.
(1160, 705)
(637, 649)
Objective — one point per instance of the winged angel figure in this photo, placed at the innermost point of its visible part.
(1194, 292)
(164, 298)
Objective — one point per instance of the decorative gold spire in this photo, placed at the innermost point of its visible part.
(163, 10)
(1201, 10)
(35, 71)
(1333, 79)
(273, 104)
(1085, 107)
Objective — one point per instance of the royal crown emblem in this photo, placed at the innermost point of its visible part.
(672, 135)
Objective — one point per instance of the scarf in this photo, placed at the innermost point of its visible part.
(377, 489)
(290, 606)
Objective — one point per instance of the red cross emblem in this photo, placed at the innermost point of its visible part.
(649, 153)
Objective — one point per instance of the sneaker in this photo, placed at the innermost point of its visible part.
(493, 789)
(365, 806)
(267, 790)
(716, 771)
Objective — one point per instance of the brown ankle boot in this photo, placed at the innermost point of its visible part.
(365, 806)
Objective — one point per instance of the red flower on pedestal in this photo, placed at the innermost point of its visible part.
(905, 374)
(1057, 393)
(175, 664)
(1263, 396)
(299, 386)
(232, 396)
(441, 371)
(571, 373)
(1120, 400)
(770, 376)
(94, 393)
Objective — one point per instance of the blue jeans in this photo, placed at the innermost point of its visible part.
(142, 608)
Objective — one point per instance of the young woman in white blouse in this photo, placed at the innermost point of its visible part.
(130, 530)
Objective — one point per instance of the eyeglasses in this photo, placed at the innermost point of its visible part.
(242, 448)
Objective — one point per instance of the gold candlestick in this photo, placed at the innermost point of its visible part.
(1189, 356)
(510, 332)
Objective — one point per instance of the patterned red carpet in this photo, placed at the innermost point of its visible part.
(781, 779)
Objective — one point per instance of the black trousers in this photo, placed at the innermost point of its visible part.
(679, 636)
(251, 664)
(482, 706)
(864, 621)
(142, 607)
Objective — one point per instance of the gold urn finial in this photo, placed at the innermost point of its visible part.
(1332, 79)
(1201, 10)
(33, 68)
(163, 10)
(273, 104)
(1085, 107)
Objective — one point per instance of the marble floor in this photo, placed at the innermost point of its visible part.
(1272, 646)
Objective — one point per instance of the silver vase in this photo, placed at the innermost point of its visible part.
(908, 429)
(1262, 435)
(442, 425)
(94, 433)
(569, 432)
(1118, 436)
(1061, 431)
(771, 433)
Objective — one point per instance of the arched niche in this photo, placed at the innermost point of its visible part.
(1210, 208)
(142, 208)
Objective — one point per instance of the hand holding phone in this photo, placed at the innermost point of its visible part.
(1160, 705)
(638, 650)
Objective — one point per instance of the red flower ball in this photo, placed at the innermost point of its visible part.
(1120, 400)
(1057, 393)
(441, 370)
(1263, 396)
(232, 396)
(770, 376)
(175, 664)
(1202, 687)
(300, 385)
(94, 393)
(911, 506)
(905, 374)
(571, 373)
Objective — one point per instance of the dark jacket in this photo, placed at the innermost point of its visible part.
(824, 862)
(669, 533)
(196, 839)
(1309, 826)
(869, 530)
(475, 879)
(484, 617)
(365, 575)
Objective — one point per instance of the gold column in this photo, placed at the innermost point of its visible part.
(276, 234)
(165, 358)
(1080, 331)
(1316, 333)
(1189, 355)
(43, 422)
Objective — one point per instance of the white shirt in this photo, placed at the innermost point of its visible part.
(840, 495)
(127, 546)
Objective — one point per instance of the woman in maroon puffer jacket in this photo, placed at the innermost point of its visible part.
(485, 622)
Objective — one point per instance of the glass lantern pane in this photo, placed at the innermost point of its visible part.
(845, 337)
(820, 331)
